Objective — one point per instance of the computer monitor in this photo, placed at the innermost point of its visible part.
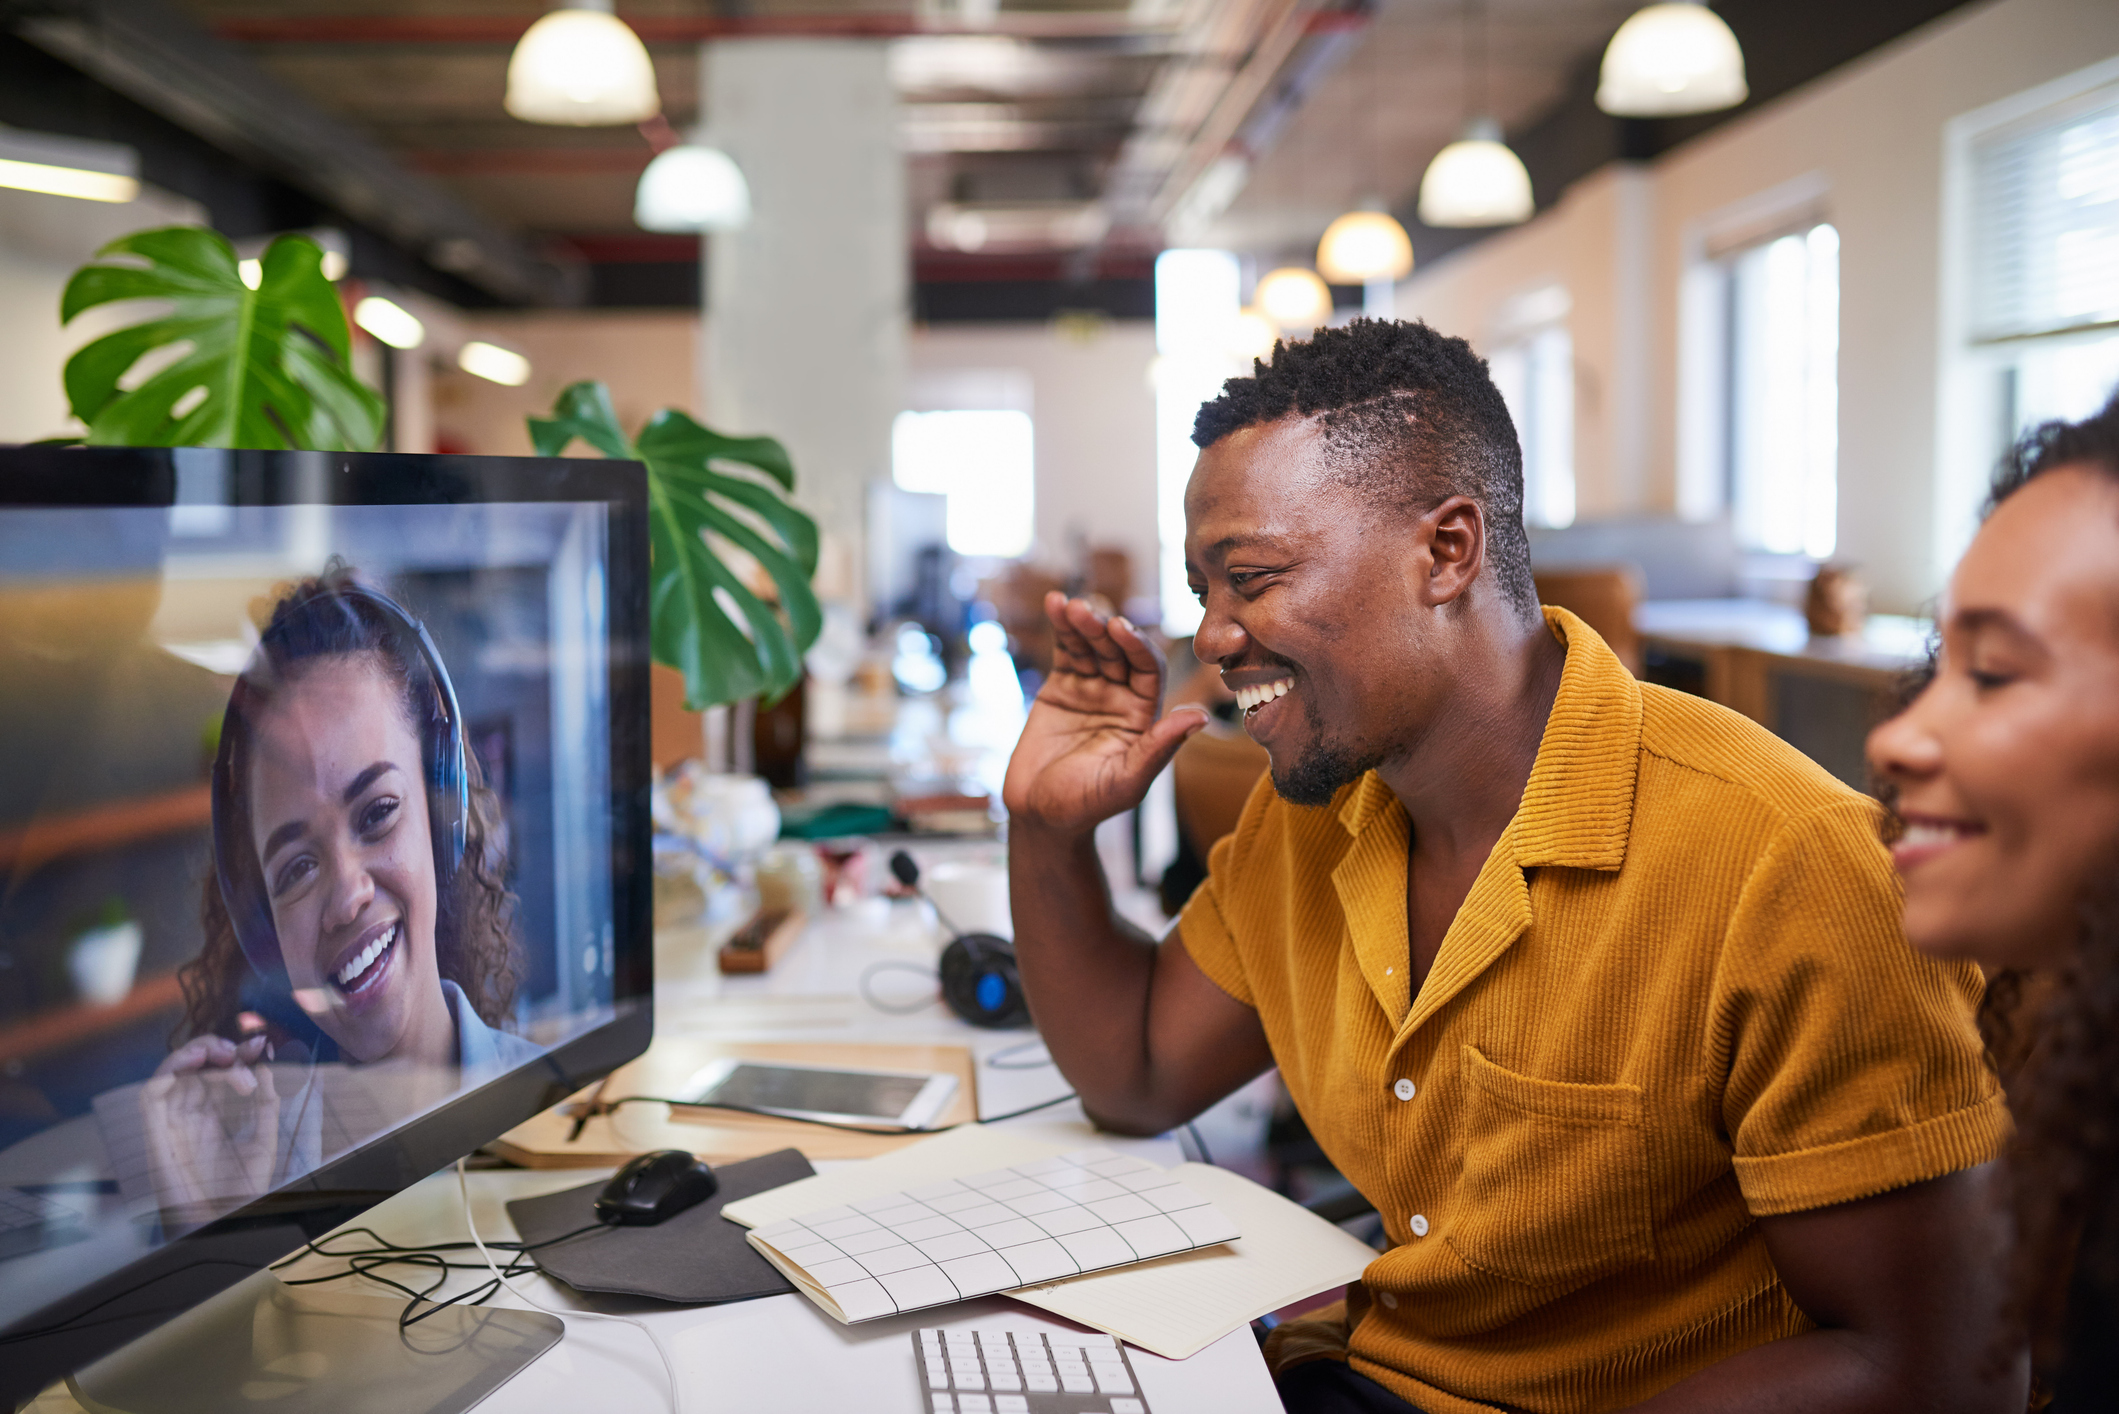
(324, 849)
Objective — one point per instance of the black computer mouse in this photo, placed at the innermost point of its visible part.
(655, 1187)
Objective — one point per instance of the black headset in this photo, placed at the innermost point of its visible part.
(235, 863)
(980, 982)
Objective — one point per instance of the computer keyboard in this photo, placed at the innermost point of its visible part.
(1026, 1372)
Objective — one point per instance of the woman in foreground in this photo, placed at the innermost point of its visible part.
(2004, 778)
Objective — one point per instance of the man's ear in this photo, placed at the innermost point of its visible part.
(1454, 535)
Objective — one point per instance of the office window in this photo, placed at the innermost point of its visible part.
(2045, 258)
(1782, 414)
(981, 461)
(1536, 376)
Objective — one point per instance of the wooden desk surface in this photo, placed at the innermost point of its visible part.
(1890, 643)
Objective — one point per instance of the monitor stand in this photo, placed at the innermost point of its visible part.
(265, 1346)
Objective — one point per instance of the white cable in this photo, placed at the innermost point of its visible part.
(463, 1186)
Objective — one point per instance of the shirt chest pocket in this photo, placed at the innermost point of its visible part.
(1554, 1187)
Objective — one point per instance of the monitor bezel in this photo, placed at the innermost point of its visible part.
(79, 1326)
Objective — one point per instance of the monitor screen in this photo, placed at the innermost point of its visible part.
(322, 786)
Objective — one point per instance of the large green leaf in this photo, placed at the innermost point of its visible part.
(688, 501)
(269, 367)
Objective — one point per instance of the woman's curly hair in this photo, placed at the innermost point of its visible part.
(2054, 1037)
(474, 931)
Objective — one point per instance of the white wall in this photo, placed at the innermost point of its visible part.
(43, 240)
(1094, 415)
(1869, 136)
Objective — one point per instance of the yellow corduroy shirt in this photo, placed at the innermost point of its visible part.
(1676, 999)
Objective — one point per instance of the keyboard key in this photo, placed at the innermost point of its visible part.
(974, 1404)
(1041, 1384)
(1112, 1379)
(1009, 1380)
(1078, 1384)
(1128, 1406)
(937, 1377)
(1010, 1404)
(943, 1404)
(967, 1376)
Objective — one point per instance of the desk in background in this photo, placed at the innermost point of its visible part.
(1820, 695)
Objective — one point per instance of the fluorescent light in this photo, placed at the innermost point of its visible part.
(390, 323)
(582, 67)
(68, 166)
(1293, 298)
(1669, 59)
(494, 363)
(692, 188)
(1476, 181)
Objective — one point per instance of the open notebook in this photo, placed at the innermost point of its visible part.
(1083, 1211)
(1174, 1305)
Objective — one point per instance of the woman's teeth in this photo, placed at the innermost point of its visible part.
(1923, 834)
(366, 958)
(1249, 697)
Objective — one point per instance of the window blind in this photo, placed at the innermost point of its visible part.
(2045, 222)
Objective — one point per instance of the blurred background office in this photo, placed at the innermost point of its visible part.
(1768, 286)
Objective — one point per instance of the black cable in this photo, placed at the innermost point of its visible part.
(368, 1262)
(608, 1106)
(897, 965)
(1198, 1143)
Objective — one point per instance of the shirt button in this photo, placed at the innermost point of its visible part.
(1390, 1302)
(1419, 1225)
(1404, 1089)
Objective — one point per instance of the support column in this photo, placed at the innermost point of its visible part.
(806, 308)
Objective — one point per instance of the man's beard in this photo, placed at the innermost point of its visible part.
(1319, 772)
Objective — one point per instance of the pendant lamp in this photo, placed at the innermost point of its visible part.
(1476, 181)
(1293, 298)
(581, 66)
(1362, 246)
(691, 188)
(1672, 58)
(1366, 246)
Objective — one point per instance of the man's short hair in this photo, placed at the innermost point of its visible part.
(1410, 417)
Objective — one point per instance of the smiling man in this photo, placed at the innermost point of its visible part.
(1596, 990)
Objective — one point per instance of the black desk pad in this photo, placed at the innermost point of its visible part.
(696, 1258)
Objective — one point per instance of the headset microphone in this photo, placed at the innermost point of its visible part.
(979, 978)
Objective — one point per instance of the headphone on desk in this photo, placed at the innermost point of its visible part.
(980, 982)
(335, 618)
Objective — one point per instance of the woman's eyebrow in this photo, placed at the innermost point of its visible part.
(365, 779)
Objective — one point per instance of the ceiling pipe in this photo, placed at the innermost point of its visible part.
(168, 64)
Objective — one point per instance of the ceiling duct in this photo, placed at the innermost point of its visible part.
(170, 65)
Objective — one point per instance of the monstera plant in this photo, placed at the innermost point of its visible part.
(702, 488)
(225, 362)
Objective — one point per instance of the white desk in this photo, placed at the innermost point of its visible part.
(778, 1354)
(782, 1353)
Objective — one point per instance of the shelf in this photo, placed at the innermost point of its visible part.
(100, 827)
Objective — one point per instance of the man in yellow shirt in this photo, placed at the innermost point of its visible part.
(1596, 990)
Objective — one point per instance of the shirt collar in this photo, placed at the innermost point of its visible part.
(1577, 808)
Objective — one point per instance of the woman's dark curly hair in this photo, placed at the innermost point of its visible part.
(313, 621)
(2055, 1038)
(1411, 416)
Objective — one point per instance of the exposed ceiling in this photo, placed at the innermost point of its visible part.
(1081, 134)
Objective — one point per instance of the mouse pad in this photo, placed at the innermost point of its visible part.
(696, 1258)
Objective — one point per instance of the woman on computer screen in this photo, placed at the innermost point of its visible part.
(356, 911)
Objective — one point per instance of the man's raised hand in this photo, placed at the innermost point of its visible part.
(1092, 743)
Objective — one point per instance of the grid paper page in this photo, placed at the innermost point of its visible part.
(1084, 1211)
